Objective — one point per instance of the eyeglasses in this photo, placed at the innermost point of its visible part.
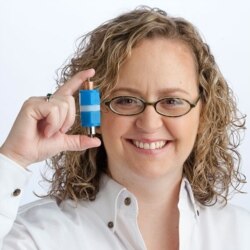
(168, 106)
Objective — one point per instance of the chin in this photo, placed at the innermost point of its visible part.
(154, 171)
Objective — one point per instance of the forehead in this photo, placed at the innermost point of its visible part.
(159, 63)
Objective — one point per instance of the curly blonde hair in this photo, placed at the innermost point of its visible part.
(213, 165)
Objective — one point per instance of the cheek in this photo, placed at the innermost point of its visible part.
(107, 123)
(184, 128)
(113, 126)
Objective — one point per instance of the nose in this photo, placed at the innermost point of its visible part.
(149, 120)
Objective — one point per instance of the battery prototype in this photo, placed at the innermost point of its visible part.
(89, 100)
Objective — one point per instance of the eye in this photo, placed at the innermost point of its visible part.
(126, 101)
(172, 102)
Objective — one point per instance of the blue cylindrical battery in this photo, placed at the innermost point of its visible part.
(89, 101)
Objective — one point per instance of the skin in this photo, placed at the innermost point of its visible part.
(39, 131)
(156, 68)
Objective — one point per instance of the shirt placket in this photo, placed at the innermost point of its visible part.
(127, 228)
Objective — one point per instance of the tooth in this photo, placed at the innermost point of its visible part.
(153, 145)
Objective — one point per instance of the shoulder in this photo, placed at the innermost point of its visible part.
(38, 207)
(40, 203)
(45, 223)
(47, 213)
(224, 213)
(229, 224)
(48, 209)
(45, 217)
(43, 213)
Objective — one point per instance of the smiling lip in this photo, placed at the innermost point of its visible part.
(149, 145)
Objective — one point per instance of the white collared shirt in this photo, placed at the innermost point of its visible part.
(109, 222)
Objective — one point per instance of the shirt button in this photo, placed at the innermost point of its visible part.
(110, 224)
(16, 192)
(127, 201)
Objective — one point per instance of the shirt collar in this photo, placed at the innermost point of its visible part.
(107, 199)
(111, 193)
(186, 198)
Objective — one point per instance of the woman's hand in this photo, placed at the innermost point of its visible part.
(39, 131)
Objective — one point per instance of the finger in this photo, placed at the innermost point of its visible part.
(80, 142)
(49, 115)
(71, 86)
(54, 120)
(71, 113)
(67, 110)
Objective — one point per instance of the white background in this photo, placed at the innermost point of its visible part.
(36, 37)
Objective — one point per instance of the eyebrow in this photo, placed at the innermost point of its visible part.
(165, 91)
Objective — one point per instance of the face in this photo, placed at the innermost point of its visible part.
(150, 145)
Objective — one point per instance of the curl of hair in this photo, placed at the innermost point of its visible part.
(213, 165)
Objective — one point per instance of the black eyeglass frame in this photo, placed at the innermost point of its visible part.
(192, 105)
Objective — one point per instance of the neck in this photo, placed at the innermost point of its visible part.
(158, 217)
(153, 192)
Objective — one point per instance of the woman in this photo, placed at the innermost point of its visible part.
(168, 155)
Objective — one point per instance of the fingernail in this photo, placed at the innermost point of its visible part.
(64, 130)
(92, 71)
(97, 140)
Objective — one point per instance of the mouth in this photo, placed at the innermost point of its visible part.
(149, 145)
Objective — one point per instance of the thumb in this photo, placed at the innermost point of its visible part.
(80, 142)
